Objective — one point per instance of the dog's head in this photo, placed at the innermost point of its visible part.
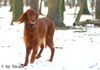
(30, 17)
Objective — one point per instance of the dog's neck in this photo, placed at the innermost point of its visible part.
(29, 26)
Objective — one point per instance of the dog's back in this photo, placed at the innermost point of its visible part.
(46, 27)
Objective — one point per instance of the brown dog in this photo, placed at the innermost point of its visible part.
(38, 32)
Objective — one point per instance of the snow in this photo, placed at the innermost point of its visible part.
(74, 50)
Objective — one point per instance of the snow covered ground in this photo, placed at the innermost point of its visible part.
(74, 50)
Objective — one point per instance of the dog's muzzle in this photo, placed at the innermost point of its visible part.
(33, 22)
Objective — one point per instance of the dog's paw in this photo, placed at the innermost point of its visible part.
(50, 60)
(38, 56)
(23, 65)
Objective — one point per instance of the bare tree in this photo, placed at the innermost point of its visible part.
(56, 11)
(35, 5)
(83, 10)
(97, 14)
(17, 9)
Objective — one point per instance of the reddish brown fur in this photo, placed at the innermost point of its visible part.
(36, 34)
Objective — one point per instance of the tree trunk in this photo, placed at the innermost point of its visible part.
(83, 10)
(95, 22)
(80, 11)
(0, 3)
(78, 3)
(27, 2)
(97, 14)
(5, 3)
(85, 7)
(35, 5)
(40, 6)
(17, 9)
(55, 12)
(10, 2)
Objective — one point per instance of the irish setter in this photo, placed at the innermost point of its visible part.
(38, 32)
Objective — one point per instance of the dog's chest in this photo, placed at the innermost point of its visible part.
(36, 34)
(30, 35)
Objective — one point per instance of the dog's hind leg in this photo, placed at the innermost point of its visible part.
(50, 44)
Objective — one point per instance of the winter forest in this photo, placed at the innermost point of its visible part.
(76, 36)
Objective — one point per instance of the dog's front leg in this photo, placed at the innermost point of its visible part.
(41, 49)
(28, 50)
(34, 52)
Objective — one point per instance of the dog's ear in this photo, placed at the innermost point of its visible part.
(22, 18)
